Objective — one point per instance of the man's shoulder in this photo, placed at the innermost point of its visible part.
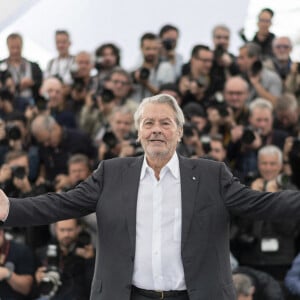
(123, 161)
(200, 162)
(270, 75)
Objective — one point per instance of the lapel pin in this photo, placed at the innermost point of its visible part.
(194, 178)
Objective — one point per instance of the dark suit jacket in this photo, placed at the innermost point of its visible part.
(209, 195)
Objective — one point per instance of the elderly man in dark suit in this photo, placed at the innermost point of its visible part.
(163, 219)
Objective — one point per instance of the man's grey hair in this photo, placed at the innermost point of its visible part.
(253, 50)
(271, 150)
(287, 102)
(161, 99)
(43, 122)
(222, 27)
(260, 103)
(243, 284)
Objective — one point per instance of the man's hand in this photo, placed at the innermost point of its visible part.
(87, 252)
(4, 206)
(22, 184)
(40, 274)
(4, 273)
(26, 83)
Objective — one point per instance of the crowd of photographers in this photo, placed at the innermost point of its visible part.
(56, 125)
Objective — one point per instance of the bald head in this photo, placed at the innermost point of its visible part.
(46, 130)
(236, 92)
(52, 89)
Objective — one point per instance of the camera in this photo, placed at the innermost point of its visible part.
(205, 141)
(296, 145)
(256, 68)
(83, 239)
(18, 172)
(282, 180)
(110, 139)
(13, 132)
(248, 135)
(218, 103)
(144, 73)
(219, 51)
(51, 280)
(5, 94)
(168, 44)
(189, 130)
(132, 139)
(106, 95)
(78, 84)
(4, 73)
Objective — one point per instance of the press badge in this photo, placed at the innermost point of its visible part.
(269, 245)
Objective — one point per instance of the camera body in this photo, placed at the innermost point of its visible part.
(256, 68)
(219, 51)
(168, 44)
(248, 135)
(144, 73)
(106, 95)
(4, 73)
(13, 132)
(18, 172)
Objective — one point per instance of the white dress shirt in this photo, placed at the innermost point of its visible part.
(158, 263)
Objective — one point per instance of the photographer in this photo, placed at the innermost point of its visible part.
(263, 82)
(224, 63)
(6, 80)
(107, 59)
(16, 269)
(193, 90)
(83, 82)
(263, 37)
(119, 138)
(247, 140)
(66, 264)
(236, 93)
(6, 102)
(14, 135)
(190, 145)
(152, 73)
(60, 66)
(56, 104)
(14, 179)
(27, 75)
(273, 245)
(169, 37)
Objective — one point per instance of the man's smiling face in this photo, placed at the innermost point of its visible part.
(158, 132)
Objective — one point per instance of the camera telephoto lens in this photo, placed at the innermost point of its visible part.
(144, 73)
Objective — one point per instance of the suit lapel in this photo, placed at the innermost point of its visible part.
(131, 180)
(189, 186)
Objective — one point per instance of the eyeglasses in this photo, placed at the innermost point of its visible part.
(124, 83)
(264, 20)
(281, 46)
(221, 37)
(205, 60)
(234, 93)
